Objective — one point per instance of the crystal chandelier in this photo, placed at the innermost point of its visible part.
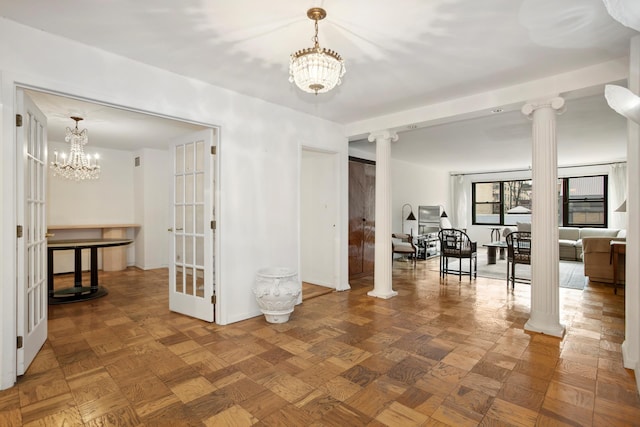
(78, 166)
(316, 69)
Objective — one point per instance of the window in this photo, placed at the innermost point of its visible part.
(494, 202)
(487, 203)
(517, 202)
(582, 202)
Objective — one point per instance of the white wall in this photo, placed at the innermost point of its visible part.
(419, 186)
(152, 207)
(107, 200)
(258, 154)
(318, 218)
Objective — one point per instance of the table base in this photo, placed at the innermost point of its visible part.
(75, 294)
(491, 254)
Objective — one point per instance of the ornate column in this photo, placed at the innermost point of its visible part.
(383, 263)
(545, 289)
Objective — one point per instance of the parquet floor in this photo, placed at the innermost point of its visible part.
(439, 354)
(310, 290)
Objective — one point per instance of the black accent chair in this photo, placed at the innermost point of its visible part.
(456, 243)
(518, 252)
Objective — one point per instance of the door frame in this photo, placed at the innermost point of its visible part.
(182, 302)
(338, 252)
(9, 82)
(33, 340)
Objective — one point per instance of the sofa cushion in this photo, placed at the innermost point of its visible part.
(403, 247)
(569, 233)
(598, 232)
(567, 253)
(567, 243)
(579, 247)
(524, 226)
(508, 230)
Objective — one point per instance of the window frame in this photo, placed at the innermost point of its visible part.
(565, 201)
(499, 203)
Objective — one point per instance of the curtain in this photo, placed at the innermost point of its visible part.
(617, 194)
(461, 201)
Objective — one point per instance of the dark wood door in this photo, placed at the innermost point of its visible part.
(362, 196)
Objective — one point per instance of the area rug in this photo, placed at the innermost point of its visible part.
(571, 272)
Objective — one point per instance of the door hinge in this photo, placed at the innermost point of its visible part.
(213, 225)
(18, 120)
(19, 231)
(19, 342)
(213, 150)
(213, 299)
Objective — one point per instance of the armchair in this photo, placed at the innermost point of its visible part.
(404, 247)
(518, 252)
(598, 263)
(456, 243)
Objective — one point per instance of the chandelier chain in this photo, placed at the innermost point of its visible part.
(315, 37)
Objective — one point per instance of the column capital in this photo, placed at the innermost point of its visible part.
(555, 103)
(384, 134)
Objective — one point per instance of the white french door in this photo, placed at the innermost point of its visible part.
(31, 138)
(191, 267)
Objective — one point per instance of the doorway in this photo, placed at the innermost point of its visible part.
(319, 207)
(126, 192)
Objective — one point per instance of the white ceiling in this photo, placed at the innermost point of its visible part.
(589, 132)
(108, 127)
(399, 55)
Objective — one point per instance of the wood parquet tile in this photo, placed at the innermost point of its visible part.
(441, 353)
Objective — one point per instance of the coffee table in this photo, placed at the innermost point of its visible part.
(492, 251)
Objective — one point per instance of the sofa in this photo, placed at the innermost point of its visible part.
(570, 239)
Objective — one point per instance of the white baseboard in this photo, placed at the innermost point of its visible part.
(631, 363)
(148, 267)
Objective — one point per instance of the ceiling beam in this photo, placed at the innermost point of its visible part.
(583, 81)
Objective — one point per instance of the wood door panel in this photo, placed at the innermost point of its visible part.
(361, 218)
(368, 255)
(356, 223)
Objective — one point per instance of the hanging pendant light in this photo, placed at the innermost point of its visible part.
(78, 166)
(316, 69)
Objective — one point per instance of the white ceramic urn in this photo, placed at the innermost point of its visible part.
(276, 290)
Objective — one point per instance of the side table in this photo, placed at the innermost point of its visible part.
(495, 234)
(617, 250)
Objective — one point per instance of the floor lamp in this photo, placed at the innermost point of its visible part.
(410, 217)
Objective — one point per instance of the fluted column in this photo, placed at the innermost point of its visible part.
(383, 262)
(631, 344)
(545, 289)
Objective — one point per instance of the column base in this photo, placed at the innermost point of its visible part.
(345, 287)
(548, 328)
(385, 295)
